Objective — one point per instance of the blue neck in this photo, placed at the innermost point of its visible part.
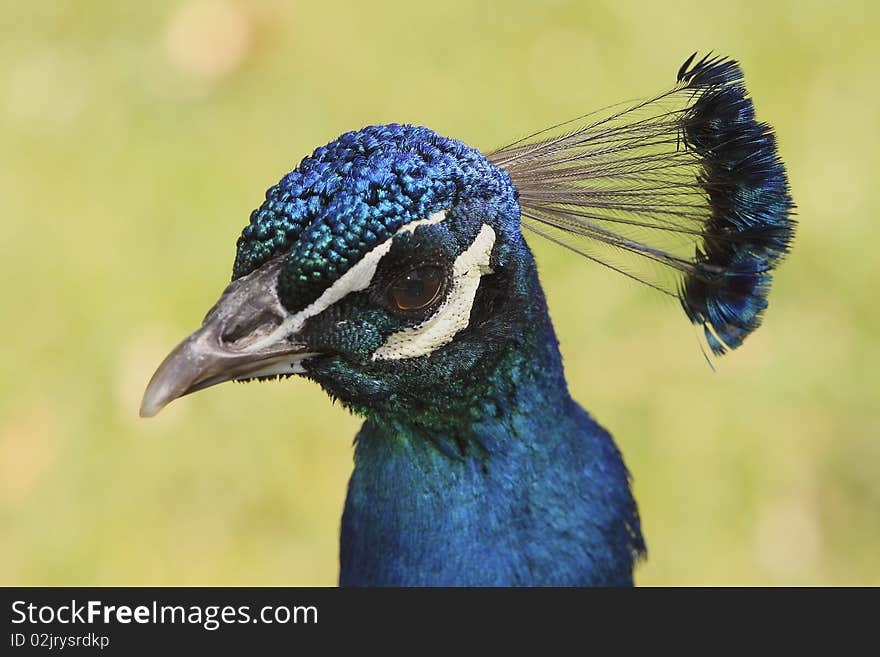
(530, 490)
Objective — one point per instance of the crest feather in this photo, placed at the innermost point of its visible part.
(684, 192)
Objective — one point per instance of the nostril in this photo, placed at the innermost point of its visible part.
(250, 326)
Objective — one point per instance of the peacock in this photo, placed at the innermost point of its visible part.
(391, 268)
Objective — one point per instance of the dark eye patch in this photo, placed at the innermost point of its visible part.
(412, 290)
(358, 324)
(413, 278)
(416, 289)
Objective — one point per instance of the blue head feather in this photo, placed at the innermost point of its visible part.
(352, 195)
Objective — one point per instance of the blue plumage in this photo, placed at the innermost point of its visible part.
(390, 267)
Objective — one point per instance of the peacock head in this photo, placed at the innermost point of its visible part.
(390, 266)
(386, 267)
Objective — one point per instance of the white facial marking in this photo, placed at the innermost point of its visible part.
(282, 365)
(435, 218)
(354, 280)
(453, 314)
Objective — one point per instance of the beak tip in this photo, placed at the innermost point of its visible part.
(147, 412)
(170, 381)
(150, 406)
(160, 392)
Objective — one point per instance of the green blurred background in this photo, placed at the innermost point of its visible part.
(136, 137)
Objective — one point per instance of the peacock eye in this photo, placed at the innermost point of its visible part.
(416, 289)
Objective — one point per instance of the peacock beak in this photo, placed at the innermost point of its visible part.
(242, 337)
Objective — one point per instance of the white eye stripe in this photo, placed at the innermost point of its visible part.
(355, 279)
(453, 314)
(435, 218)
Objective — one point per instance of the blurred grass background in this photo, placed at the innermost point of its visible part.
(137, 137)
